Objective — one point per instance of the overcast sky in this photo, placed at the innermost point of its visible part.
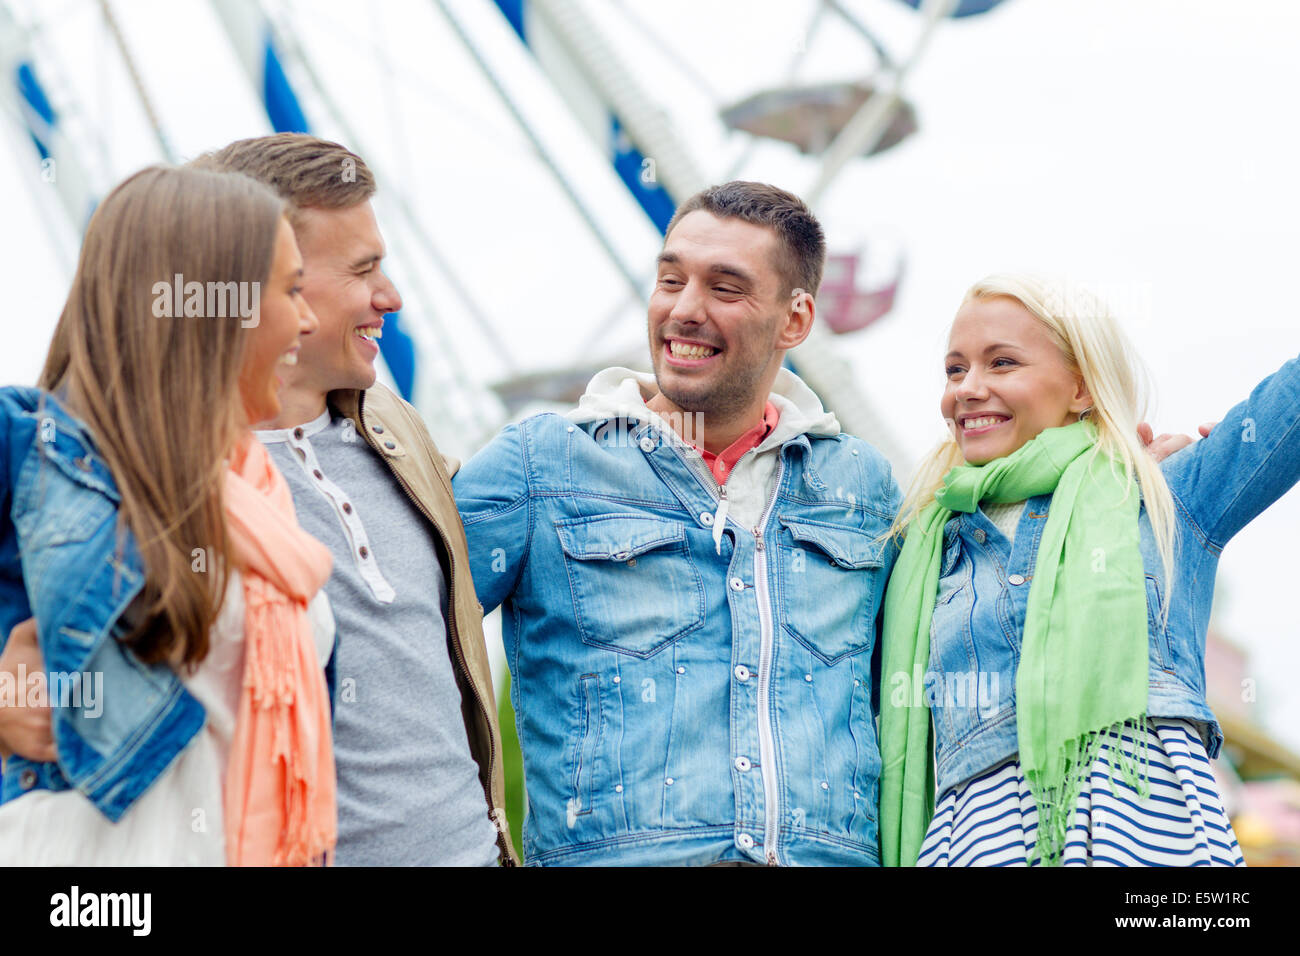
(1147, 147)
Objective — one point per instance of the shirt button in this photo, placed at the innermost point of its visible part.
(617, 679)
(745, 841)
(742, 673)
(347, 508)
(318, 475)
(681, 670)
(979, 535)
(297, 433)
(364, 551)
(742, 764)
(389, 445)
(808, 678)
(377, 429)
(706, 519)
(618, 788)
(825, 785)
(570, 431)
(27, 779)
(737, 584)
(647, 444)
(1016, 579)
(669, 781)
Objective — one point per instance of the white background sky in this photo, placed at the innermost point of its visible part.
(1148, 147)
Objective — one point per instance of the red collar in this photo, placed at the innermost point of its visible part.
(721, 465)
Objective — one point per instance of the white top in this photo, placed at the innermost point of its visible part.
(178, 820)
(1006, 515)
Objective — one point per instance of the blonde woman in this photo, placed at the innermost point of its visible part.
(1045, 623)
(149, 536)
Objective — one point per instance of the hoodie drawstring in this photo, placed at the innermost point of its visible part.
(720, 518)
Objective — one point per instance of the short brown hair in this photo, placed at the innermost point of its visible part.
(309, 173)
(802, 244)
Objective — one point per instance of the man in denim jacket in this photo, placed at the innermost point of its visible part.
(692, 565)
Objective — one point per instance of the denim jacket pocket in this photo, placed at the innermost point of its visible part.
(69, 516)
(1159, 647)
(635, 587)
(585, 744)
(828, 603)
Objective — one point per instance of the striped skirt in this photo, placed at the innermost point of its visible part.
(991, 820)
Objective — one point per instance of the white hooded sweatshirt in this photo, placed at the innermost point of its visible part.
(622, 393)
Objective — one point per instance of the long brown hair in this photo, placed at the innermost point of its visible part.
(161, 394)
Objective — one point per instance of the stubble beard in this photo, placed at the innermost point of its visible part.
(722, 397)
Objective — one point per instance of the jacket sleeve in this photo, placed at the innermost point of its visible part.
(13, 594)
(492, 493)
(1250, 459)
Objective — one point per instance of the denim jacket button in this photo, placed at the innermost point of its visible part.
(745, 841)
(706, 519)
(742, 673)
(1016, 579)
(27, 779)
(647, 444)
(742, 764)
(978, 535)
(737, 584)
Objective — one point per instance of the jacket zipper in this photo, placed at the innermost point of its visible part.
(495, 813)
(766, 747)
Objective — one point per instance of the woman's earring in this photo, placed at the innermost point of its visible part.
(1086, 413)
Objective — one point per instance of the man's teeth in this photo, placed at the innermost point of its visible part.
(373, 332)
(981, 422)
(682, 350)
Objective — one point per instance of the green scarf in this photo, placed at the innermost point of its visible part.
(1083, 658)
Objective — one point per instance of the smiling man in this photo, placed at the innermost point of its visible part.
(691, 565)
(417, 744)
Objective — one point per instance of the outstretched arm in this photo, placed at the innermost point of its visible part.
(1248, 461)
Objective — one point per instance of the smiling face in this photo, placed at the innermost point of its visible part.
(347, 289)
(1007, 379)
(721, 316)
(273, 344)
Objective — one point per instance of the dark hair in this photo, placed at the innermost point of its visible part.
(802, 243)
(308, 172)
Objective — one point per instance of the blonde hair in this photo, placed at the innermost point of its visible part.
(1096, 348)
(161, 395)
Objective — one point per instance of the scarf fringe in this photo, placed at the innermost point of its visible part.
(1056, 802)
(268, 675)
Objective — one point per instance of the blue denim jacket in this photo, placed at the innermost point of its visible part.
(651, 673)
(64, 560)
(1219, 484)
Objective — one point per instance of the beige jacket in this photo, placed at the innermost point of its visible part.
(395, 430)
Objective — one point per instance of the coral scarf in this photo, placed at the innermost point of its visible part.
(279, 789)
